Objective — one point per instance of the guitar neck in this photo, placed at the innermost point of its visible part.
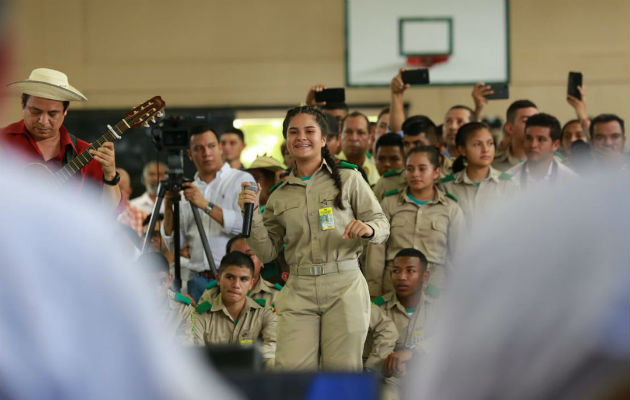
(78, 162)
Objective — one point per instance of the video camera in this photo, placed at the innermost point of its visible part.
(172, 135)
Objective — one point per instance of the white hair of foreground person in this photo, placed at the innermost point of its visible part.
(539, 305)
(76, 320)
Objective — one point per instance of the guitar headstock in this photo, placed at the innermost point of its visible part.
(145, 112)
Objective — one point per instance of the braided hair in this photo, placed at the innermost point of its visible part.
(320, 119)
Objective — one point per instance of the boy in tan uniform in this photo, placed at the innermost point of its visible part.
(233, 317)
(261, 290)
(381, 339)
(410, 310)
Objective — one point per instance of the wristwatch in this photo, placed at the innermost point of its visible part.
(209, 207)
(114, 181)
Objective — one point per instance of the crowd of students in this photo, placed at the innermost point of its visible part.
(354, 239)
(376, 211)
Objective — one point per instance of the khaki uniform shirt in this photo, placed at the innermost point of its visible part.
(369, 166)
(433, 228)
(394, 310)
(216, 326)
(504, 160)
(381, 339)
(263, 290)
(292, 216)
(177, 314)
(447, 166)
(394, 179)
(478, 199)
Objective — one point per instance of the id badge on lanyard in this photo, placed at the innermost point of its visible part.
(326, 218)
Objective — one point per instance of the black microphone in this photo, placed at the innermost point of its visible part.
(249, 212)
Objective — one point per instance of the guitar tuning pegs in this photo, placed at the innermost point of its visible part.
(160, 114)
(146, 125)
(153, 120)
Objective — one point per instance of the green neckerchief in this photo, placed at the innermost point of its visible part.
(418, 202)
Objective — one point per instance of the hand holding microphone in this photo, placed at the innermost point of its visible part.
(248, 200)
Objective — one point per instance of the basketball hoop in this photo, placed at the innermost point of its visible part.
(426, 61)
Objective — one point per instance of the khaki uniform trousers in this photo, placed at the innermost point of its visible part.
(322, 318)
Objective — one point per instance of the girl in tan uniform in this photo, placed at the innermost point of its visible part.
(477, 185)
(423, 217)
(323, 213)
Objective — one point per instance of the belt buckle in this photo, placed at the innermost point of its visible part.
(316, 270)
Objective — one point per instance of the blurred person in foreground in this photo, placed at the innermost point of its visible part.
(554, 321)
(99, 336)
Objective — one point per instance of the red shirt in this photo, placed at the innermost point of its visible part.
(16, 137)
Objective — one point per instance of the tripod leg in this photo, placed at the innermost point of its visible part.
(204, 239)
(177, 280)
(154, 216)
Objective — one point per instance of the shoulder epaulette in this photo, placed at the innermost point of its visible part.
(505, 176)
(347, 165)
(274, 187)
(379, 301)
(203, 307)
(448, 178)
(392, 172)
(278, 286)
(211, 284)
(452, 196)
(432, 291)
(181, 298)
(261, 302)
(391, 192)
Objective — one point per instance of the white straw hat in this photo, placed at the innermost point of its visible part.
(49, 84)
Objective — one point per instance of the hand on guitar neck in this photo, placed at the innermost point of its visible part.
(107, 158)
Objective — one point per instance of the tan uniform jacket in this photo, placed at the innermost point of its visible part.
(447, 166)
(504, 160)
(369, 166)
(263, 290)
(394, 310)
(433, 228)
(381, 339)
(216, 326)
(394, 179)
(177, 315)
(478, 199)
(292, 216)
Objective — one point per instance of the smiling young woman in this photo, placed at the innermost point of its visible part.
(476, 184)
(323, 213)
(422, 216)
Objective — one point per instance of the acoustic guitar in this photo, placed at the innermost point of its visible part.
(139, 115)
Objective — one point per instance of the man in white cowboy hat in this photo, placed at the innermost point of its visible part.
(41, 136)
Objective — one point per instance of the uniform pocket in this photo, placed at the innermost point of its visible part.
(282, 207)
(439, 225)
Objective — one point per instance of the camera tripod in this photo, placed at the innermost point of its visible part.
(174, 184)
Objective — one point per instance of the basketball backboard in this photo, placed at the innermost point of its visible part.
(461, 41)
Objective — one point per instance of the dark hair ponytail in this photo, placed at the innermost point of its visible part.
(335, 175)
(459, 164)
